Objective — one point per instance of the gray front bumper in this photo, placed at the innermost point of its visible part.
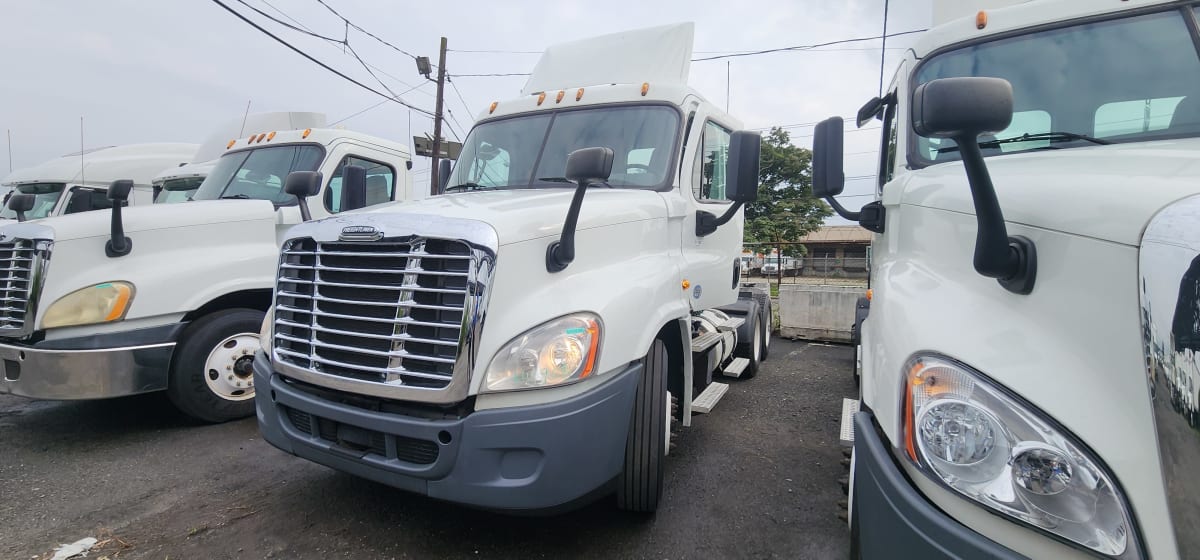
(538, 457)
(89, 368)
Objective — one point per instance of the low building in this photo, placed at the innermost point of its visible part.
(836, 251)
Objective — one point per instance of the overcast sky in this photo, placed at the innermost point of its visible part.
(161, 71)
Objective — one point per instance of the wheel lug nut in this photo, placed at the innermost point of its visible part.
(231, 378)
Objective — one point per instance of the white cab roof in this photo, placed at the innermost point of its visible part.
(660, 55)
(139, 162)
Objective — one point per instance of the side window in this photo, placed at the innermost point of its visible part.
(712, 161)
(887, 149)
(381, 183)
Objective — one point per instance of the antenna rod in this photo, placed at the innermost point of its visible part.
(9, 150)
(883, 48)
(82, 180)
(244, 117)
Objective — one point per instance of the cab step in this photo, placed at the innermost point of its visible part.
(736, 367)
(705, 341)
(709, 398)
(731, 324)
(849, 409)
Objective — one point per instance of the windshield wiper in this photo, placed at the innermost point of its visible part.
(237, 196)
(566, 180)
(466, 187)
(1051, 136)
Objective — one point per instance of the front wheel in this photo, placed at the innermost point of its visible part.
(641, 482)
(212, 374)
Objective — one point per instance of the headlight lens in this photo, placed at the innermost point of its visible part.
(102, 303)
(560, 351)
(976, 439)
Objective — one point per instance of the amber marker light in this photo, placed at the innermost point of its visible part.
(645, 88)
(541, 98)
(492, 109)
(558, 98)
(579, 94)
(307, 131)
(981, 19)
(230, 144)
(271, 136)
(686, 284)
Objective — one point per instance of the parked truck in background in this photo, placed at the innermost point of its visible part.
(171, 297)
(528, 339)
(1027, 359)
(78, 182)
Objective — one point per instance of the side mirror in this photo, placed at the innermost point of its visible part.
(118, 245)
(961, 109)
(303, 184)
(589, 165)
(585, 167)
(828, 177)
(354, 187)
(742, 171)
(21, 203)
(443, 174)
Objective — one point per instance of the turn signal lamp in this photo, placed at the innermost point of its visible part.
(870, 294)
(541, 98)
(579, 94)
(230, 144)
(271, 136)
(686, 284)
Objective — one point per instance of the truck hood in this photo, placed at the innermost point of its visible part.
(152, 217)
(523, 214)
(1105, 192)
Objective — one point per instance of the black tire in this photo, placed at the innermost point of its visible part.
(764, 305)
(751, 349)
(186, 385)
(640, 485)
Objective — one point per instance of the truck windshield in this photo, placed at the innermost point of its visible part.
(178, 190)
(45, 196)
(1127, 80)
(531, 151)
(259, 173)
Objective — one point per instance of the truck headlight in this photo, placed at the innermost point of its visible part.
(968, 434)
(102, 303)
(557, 352)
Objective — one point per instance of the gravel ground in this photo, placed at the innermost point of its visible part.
(756, 478)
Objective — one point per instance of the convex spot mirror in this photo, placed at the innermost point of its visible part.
(828, 178)
(744, 152)
(302, 184)
(962, 107)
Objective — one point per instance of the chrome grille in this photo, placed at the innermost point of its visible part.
(384, 311)
(18, 272)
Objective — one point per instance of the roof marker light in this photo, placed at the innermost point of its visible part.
(271, 136)
(541, 98)
(230, 144)
(558, 98)
(492, 109)
(645, 88)
(307, 131)
(579, 94)
(261, 136)
(981, 19)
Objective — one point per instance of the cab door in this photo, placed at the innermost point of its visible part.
(711, 264)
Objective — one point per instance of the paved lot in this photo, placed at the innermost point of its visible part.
(757, 478)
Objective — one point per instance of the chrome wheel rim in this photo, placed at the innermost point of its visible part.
(229, 371)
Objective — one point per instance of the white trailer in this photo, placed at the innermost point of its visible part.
(77, 182)
(1037, 227)
(171, 297)
(528, 339)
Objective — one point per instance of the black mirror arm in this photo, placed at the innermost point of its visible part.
(707, 222)
(119, 245)
(1011, 260)
(305, 215)
(20, 215)
(842, 211)
(562, 252)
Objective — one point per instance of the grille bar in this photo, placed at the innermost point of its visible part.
(18, 260)
(387, 312)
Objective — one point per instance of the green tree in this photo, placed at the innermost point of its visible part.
(785, 210)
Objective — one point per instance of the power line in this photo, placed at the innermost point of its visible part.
(501, 51)
(460, 98)
(487, 75)
(318, 62)
(308, 31)
(805, 47)
(355, 114)
(364, 31)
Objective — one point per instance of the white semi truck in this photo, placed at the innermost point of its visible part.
(78, 182)
(171, 297)
(526, 340)
(1038, 226)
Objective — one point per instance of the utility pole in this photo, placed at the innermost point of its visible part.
(437, 120)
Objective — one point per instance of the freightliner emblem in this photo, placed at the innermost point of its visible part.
(360, 233)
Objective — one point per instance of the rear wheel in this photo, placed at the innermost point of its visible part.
(212, 374)
(764, 306)
(752, 349)
(641, 482)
